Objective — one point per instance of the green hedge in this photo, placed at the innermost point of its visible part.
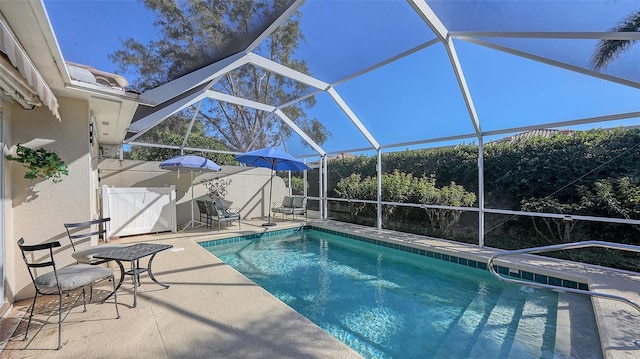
(591, 173)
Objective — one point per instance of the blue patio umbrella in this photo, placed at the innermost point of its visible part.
(275, 159)
(190, 162)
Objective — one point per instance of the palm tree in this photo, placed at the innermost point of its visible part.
(609, 50)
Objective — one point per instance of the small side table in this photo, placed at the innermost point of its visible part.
(133, 254)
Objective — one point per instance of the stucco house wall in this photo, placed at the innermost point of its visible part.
(7, 213)
(37, 209)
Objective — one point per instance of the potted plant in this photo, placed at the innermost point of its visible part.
(40, 163)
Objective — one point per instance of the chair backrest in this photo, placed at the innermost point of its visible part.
(85, 230)
(299, 202)
(287, 201)
(219, 207)
(211, 209)
(202, 207)
(32, 264)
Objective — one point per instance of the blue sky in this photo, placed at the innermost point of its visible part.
(89, 30)
(409, 100)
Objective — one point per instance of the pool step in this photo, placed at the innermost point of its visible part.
(576, 330)
(459, 333)
(495, 338)
(514, 327)
(538, 312)
(482, 322)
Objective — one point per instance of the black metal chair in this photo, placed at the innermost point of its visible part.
(83, 231)
(204, 212)
(61, 280)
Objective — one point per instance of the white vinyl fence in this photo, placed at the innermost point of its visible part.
(139, 210)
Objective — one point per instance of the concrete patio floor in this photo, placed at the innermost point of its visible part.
(212, 311)
(209, 311)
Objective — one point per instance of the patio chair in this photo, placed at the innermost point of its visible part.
(205, 212)
(221, 214)
(61, 281)
(82, 232)
(291, 205)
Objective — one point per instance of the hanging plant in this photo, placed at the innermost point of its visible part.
(40, 163)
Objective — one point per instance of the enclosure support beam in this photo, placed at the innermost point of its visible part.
(193, 119)
(148, 122)
(305, 188)
(379, 195)
(442, 33)
(481, 191)
(323, 199)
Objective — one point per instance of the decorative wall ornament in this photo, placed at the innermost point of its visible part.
(217, 187)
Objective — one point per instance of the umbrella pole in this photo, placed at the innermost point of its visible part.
(269, 223)
(193, 221)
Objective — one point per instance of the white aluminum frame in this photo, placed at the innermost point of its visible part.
(214, 71)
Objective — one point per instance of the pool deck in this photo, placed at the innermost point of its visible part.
(212, 311)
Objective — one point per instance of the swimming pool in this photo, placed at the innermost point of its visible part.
(386, 303)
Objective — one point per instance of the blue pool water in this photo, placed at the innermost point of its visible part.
(386, 303)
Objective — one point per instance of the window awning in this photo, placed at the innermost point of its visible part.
(30, 75)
